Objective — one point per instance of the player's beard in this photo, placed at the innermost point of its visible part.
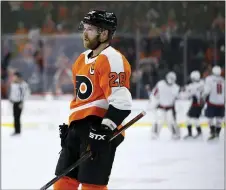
(91, 43)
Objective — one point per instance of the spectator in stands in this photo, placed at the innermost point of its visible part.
(63, 76)
(219, 22)
(6, 56)
(212, 54)
(36, 48)
(49, 25)
(21, 29)
(167, 22)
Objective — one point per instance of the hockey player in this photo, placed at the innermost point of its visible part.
(165, 93)
(194, 91)
(102, 101)
(214, 95)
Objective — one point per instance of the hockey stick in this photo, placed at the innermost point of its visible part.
(87, 154)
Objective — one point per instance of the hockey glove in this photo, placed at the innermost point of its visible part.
(98, 139)
(63, 129)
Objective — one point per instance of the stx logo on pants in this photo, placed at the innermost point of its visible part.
(96, 136)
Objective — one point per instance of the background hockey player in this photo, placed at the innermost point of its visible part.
(165, 93)
(102, 101)
(215, 99)
(194, 92)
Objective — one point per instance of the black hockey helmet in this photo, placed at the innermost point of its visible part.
(101, 19)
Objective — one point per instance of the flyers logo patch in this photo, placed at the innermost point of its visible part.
(84, 87)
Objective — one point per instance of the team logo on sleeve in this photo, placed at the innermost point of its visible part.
(84, 87)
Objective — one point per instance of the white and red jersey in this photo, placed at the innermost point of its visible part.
(99, 82)
(194, 90)
(214, 89)
(165, 93)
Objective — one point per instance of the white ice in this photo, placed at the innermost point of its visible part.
(28, 161)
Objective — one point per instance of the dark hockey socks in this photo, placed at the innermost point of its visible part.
(199, 132)
(218, 130)
(189, 127)
(212, 132)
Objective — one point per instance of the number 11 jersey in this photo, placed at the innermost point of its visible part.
(214, 87)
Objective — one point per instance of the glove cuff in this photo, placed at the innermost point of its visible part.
(109, 123)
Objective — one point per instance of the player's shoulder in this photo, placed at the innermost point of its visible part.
(24, 83)
(191, 84)
(221, 78)
(161, 82)
(110, 57)
(82, 56)
(176, 86)
(110, 51)
(209, 78)
(202, 82)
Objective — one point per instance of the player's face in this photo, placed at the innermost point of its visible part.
(170, 80)
(90, 36)
(15, 78)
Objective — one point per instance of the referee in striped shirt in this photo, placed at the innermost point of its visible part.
(19, 90)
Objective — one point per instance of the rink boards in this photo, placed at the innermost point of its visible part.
(53, 112)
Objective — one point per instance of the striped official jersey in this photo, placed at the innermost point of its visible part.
(100, 82)
(19, 91)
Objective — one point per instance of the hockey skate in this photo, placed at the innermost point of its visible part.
(217, 134)
(175, 136)
(211, 137)
(155, 132)
(154, 136)
(212, 133)
(15, 134)
(188, 136)
(175, 132)
(199, 133)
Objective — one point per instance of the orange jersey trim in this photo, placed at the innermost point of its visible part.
(98, 82)
(81, 114)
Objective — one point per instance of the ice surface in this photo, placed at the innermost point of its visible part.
(28, 161)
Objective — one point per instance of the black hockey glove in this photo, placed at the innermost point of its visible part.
(99, 139)
(63, 129)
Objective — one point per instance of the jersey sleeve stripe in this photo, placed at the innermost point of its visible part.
(116, 62)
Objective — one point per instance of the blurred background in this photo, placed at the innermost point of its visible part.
(40, 39)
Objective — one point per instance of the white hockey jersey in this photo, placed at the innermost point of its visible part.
(214, 88)
(166, 94)
(194, 91)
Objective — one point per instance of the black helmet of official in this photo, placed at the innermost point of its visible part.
(101, 19)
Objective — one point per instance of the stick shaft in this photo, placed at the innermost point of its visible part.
(87, 154)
